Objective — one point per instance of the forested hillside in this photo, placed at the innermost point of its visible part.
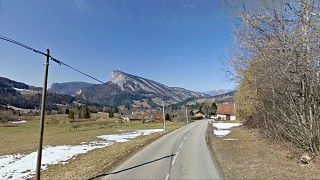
(28, 97)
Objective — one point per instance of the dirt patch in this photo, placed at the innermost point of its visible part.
(245, 154)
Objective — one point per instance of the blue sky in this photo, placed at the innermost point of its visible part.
(176, 42)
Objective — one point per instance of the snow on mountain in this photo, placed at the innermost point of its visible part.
(131, 83)
(217, 92)
(69, 88)
(124, 88)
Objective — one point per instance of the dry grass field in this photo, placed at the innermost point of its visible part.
(23, 138)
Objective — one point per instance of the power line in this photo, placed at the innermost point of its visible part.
(44, 93)
(22, 45)
(54, 59)
(75, 69)
(81, 72)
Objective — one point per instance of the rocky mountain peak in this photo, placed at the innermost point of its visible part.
(119, 78)
(117, 73)
(124, 88)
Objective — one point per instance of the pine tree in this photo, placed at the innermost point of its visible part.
(214, 108)
(84, 113)
(71, 115)
(168, 118)
(111, 115)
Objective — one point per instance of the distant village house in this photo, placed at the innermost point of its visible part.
(145, 116)
(196, 114)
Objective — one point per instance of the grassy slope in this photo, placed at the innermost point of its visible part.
(253, 157)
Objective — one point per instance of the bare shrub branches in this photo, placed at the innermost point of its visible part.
(277, 60)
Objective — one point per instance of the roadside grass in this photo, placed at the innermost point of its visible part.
(254, 157)
(24, 137)
(101, 161)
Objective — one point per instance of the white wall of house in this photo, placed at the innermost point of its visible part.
(222, 116)
(199, 115)
(213, 117)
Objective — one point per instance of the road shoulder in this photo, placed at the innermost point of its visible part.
(252, 157)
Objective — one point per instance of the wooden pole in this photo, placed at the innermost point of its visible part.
(164, 118)
(43, 112)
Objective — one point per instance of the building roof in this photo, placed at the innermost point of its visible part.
(143, 115)
(226, 109)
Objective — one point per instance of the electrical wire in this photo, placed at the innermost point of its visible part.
(77, 70)
(20, 44)
(54, 59)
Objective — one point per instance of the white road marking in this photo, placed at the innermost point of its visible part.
(167, 177)
(180, 145)
(174, 159)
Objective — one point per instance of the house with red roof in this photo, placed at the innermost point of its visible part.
(226, 112)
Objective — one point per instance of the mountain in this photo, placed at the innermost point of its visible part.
(130, 83)
(8, 83)
(218, 92)
(194, 102)
(224, 98)
(69, 88)
(20, 95)
(131, 91)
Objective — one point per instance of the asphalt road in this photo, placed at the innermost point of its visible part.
(182, 154)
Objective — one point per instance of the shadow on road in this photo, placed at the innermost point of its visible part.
(133, 167)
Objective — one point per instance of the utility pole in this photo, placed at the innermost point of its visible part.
(164, 118)
(43, 112)
(187, 115)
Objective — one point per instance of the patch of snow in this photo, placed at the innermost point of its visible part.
(221, 125)
(125, 137)
(145, 85)
(221, 132)
(17, 89)
(195, 94)
(222, 128)
(15, 108)
(79, 92)
(18, 122)
(22, 166)
(131, 87)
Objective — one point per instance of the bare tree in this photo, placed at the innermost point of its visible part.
(5, 116)
(276, 59)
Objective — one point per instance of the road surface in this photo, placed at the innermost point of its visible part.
(182, 154)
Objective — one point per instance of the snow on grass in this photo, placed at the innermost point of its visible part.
(125, 137)
(222, 128)
(221, 132)
(18, 122)
(17, 89)
(222, 125)
(22, 166)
